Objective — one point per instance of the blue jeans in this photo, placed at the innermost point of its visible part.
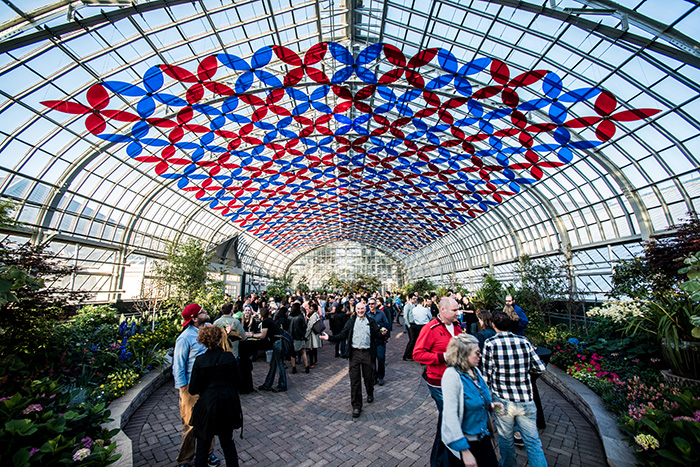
(276, 364)
(525, 415)
(380, 366)
(439, 455)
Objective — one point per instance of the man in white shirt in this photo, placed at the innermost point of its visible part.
(408, 322)
(421, 315)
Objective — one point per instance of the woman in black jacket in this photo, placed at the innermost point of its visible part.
(297, 326)
(217, 412)
(337, 321)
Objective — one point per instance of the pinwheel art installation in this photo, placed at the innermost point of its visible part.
(375, 147)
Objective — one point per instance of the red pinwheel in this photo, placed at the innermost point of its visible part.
(605, 105)
(313, 56)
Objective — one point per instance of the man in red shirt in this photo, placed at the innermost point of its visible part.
(430, 350)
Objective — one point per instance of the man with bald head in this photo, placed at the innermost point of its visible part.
(362, 333)
(430, 350)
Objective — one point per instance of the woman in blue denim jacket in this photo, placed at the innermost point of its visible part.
(466, 403)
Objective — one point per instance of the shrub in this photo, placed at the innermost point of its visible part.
(44, 425)
(665, 430)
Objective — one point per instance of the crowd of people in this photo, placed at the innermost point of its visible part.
(477, 366)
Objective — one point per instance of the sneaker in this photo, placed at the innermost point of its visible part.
(356, 413)
(518, 440)
(294, 370)
(213, 461)
(262, 387)
(279, 389)
(380, 381)
(370, 399)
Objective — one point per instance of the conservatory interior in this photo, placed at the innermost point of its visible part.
(156, 153)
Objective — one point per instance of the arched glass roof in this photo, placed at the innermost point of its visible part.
(456, 135)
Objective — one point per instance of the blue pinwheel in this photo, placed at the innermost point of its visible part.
(483, 119)
(552, 87)
(260, 58)
(352, 65)
(152, 82)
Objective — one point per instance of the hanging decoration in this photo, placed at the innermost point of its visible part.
(377, 147)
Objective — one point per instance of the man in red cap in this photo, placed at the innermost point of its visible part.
(186, 351)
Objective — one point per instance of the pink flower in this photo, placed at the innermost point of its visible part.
(687, 419)
(33, 451)
(32, 408)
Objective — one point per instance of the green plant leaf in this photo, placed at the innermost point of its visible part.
(670, 455)
(650, 424)
(682, 445)
(21, 457)
(23, 427)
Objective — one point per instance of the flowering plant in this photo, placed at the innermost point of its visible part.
(665, 430)
(591, 368)
(619, 311)
(116, 385)
(42, 425)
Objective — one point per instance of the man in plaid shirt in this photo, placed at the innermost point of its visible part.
(508, 361)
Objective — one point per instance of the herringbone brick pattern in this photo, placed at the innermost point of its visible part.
(311, 424)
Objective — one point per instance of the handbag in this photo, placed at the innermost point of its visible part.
(318, 327)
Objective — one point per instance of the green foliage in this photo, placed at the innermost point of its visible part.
(43, 425)
(303, 284)
(665, 253)
(421, 286)
(28, 308)
(554, 336)
(666, 433)
(669, 320)
(631, 278)
(281, 285)
(364, 283)
(186, 275)
(333, 283)
(541, 284)
(6, 210)
(692, 287)
(490, 296)
(662, 422)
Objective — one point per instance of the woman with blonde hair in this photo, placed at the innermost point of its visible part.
(514, 318)
(466, 405)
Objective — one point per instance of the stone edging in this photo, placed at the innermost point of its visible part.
(124, 407)
(617, 451)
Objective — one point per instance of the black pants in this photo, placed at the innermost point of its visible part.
(482, 451)
(227, 445)
(413, 333)
(360, 367)
(313, 356)
(245, 365)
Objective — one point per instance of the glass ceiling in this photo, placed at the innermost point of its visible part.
(453, 135)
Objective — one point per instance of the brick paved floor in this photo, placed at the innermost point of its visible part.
(311, 425)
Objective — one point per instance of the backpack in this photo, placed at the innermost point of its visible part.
(287, 344)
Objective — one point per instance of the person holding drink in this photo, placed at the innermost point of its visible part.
(466, 406)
